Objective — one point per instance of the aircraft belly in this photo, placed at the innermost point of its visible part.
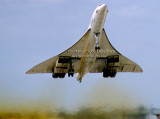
(85, 67)
(92, 53)
(88, 59)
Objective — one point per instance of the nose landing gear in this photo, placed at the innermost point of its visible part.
(97, 48)
(97, 42)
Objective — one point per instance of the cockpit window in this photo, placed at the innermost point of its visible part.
(100, 4)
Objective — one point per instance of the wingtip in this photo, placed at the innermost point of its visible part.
(27, 72)
(141, 70)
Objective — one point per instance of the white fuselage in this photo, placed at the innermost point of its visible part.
(96, 25)
(98, 18)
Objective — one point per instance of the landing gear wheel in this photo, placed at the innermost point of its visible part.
(54, 75)
(58, 75)
(113, 73)
(71, 72)
(109, 73)
(61, 75)
(106, 73)
(97, 48)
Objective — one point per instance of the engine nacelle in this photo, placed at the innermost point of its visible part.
(112, 62)
(61, 65)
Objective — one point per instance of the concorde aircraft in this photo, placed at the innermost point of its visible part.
(93, 53)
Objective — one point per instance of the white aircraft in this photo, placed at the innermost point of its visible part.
(93, 53)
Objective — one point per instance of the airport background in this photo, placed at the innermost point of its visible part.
(35, 30)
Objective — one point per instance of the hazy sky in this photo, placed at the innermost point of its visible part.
(32, 31)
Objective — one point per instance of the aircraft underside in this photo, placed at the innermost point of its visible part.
(87, 60)
(110, 69)
(93, 53)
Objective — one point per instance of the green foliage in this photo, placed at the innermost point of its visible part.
(85, 113)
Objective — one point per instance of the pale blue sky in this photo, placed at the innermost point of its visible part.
(33, 31)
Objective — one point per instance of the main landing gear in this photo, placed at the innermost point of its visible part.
(64, 65)
(110, 69)
(71, 70)
(58, 75)
(109, 73)
(71, 73)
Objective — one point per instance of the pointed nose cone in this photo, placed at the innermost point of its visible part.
(103, 7)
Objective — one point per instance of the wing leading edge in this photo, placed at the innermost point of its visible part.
(112, 60)
(48, 65)
(123, 64)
